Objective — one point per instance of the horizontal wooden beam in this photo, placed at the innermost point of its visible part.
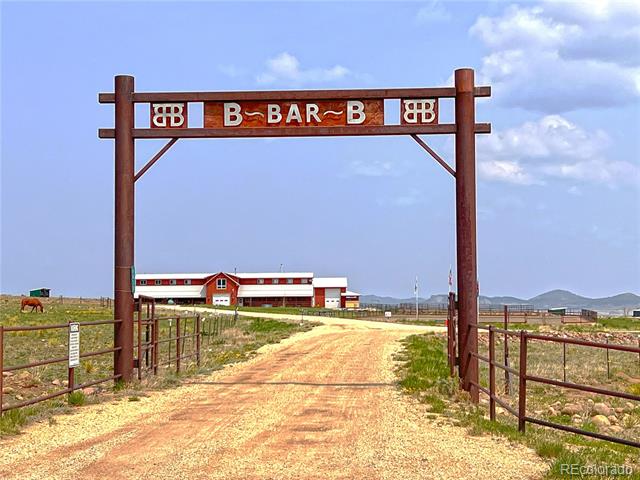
(281, 95)
(446, 128)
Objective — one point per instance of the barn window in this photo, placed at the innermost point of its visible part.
(187, 282)
(275, 281)
(303, 280)
(157, 282)
(143, 282)
(261, 281)
(173, 282)
(289, 281)
(221, 284)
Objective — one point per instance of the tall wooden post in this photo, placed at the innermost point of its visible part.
(124, 226)
(466, 228)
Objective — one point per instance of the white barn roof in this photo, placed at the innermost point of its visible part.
(171, 276)
(330, 282)
(274, 275)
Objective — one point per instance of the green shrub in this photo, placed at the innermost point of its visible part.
(76, 398)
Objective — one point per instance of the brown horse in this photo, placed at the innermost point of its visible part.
(34, 303)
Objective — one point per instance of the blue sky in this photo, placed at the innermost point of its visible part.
(558, 189)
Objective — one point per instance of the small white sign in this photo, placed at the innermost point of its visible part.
(387, 314)
(74, 345)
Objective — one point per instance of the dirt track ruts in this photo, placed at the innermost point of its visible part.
(322, 404)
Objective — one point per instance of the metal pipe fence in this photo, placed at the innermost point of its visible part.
(71, 385)
(158, 341)
(525, 377)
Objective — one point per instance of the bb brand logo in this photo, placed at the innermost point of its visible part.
(168, 115)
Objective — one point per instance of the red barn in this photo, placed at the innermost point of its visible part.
(290, 289)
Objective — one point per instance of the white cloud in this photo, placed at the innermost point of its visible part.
(285, 68)
(434, 11)
(374, 168)
(556, 58)
(551, 148)
(505, 171)
(411, 197)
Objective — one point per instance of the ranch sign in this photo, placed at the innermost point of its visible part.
(298, 113)
(314, 113)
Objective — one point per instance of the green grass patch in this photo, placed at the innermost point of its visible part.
(12, 421)
(77, 398)
(424, 365)
(260, 325)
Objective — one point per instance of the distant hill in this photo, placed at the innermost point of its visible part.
(553, 298)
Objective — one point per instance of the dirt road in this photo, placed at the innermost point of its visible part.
(321, 404)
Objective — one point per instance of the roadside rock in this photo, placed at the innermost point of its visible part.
(600, 421)
(8, 390)
(56, 382)
(616, 429)
(612, 419)
(577, 419)
(89, 391)
(602, 409)
(571, 409)
(7, 374)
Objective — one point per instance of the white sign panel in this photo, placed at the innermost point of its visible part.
(74, 345)
(387, 314)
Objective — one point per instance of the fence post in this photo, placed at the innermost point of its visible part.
(154, 356)
(178, 344)
(522, 390)
(139, 353)
(564, 360)
(1, 365)
(492, 374)
(198, 340)
(507, 375)
(608, 363)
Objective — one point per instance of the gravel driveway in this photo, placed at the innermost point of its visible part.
(321, 404)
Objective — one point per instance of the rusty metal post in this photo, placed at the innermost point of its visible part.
(450, 340)
(198, 339)
(466, 229)
(492, 373)
(1, 366)
(177, 344)
(139, 353)
(522, 390)
(124, 226)
(507, 375)
(564, 360)
(71, 379)
(155, 336)
(608, 363)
